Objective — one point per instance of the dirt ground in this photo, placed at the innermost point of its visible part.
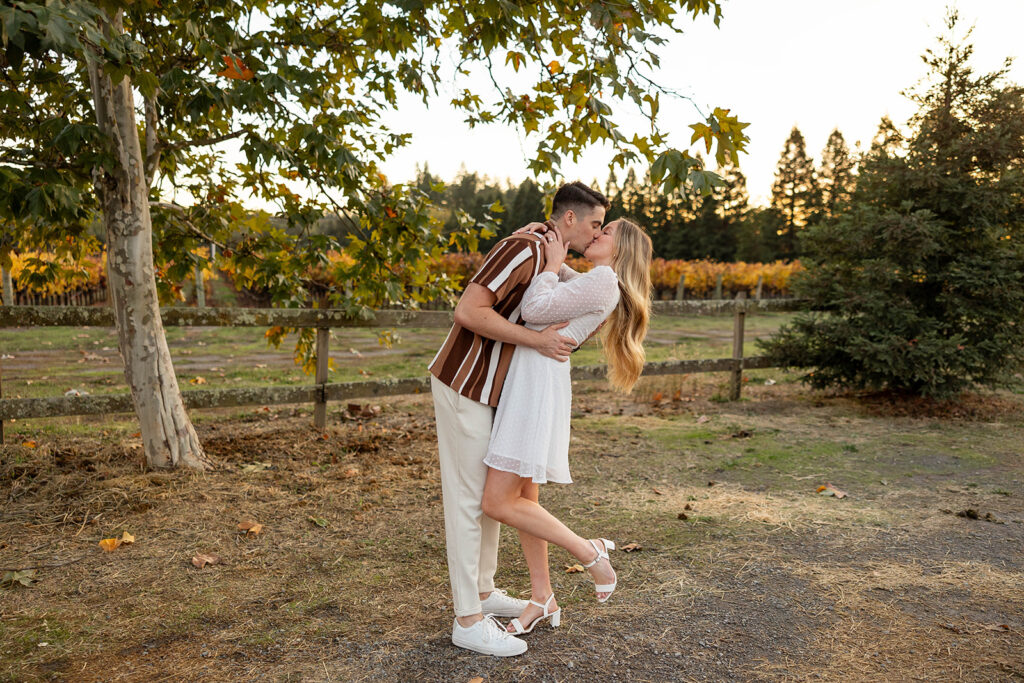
(744, 572)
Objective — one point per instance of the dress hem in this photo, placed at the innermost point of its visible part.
(516, 472)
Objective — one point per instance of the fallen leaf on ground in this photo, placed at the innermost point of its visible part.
(28, 444)
(200, 561)
(657, 492)
(319, 521)
(110, 544)
(349, 473)
(971, 513)
(630, 547)
(573, 568)
(250, 527)
(683, 516)
(658, 396)
(197, 380)
(702, 419)
(997, 627)
(258, 466)
(829, 490)
(475, 680)
(127, 538)
(687, 507)
(25, 577)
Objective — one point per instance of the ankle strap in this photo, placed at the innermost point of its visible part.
(545, 605)
(601, 554)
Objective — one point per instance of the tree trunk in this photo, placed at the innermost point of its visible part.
(168, 437)
(8, 287)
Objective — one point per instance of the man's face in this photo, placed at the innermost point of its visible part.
(586, 228)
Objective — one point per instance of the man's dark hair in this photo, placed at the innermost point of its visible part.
(576, 196)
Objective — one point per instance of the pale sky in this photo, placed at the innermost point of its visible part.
(817, 64)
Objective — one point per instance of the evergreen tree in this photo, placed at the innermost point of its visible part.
(795, 193)
(836, 175)
(920, 283)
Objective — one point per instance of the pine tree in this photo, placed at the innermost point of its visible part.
(919, 284)
(795, 193)
(836, 176)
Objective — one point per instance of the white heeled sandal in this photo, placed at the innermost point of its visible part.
(608, 588)
(556, 618)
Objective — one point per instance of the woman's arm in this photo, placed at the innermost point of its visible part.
(547, 300)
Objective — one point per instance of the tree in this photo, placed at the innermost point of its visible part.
(920, 282)
(835, 177)
(795, 193)
(280, 102)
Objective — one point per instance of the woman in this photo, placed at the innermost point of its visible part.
(530, 436)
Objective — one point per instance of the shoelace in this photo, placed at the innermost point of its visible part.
(493, 627)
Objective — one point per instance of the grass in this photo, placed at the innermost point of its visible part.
(51, 361)
(763, 579)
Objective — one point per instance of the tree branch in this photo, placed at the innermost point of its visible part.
(180, 211)
(152, 142)
(200, 142)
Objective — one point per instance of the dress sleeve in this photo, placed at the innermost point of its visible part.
(565, 273)
(549, 301)
(512, 261)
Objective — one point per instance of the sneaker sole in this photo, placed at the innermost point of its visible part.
(474, 648)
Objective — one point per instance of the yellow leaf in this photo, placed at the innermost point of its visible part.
(250, 527)
(197, 380)
(28, 444)
(573, 568)
(110, 544)
(127, 538)
(554, 67)
(630, 547)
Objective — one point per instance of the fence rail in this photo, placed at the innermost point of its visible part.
(323, 320)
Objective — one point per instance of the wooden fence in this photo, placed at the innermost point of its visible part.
(323, 320)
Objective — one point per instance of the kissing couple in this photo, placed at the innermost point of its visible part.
(502, 393)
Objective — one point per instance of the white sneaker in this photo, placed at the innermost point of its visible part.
(500, 604)
(488, 638)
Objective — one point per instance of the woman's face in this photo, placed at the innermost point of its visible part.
(602, 249)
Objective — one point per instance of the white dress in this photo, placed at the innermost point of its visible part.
(530, 433)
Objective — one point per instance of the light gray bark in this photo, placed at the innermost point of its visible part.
(168, 437)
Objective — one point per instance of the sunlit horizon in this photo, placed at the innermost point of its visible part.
(838, 65)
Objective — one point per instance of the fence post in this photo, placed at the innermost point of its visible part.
(718, 286)
(8, 287)
(681, 288)
(320, 407)
(760, 284)
(736, 382)
(200, 287)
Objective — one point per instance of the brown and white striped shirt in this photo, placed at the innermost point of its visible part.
(475, 366)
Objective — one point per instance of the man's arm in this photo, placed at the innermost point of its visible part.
(475, 311)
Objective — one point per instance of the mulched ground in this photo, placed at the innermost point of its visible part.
(764, 579)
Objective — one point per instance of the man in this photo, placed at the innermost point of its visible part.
(468, 374)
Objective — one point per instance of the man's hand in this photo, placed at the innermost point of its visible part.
(539, 228)
(554, 345)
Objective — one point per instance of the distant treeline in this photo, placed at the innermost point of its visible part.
(722, 226)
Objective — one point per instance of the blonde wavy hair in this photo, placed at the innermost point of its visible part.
(624, 332)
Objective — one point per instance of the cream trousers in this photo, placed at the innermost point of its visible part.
(463, 432)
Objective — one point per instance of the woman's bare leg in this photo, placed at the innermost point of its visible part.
(503, 501)
(535, 550)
